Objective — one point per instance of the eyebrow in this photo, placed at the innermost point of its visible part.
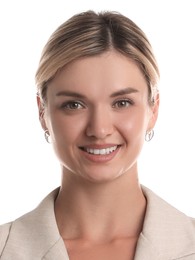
(69, 94)
(124, 91)
(121, 92)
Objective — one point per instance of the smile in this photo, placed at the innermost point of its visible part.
(100, 153)
(103, 151)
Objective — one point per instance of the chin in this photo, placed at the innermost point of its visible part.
(103, 177)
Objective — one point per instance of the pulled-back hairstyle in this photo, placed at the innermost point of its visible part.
(88, 34)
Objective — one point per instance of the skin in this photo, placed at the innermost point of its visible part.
(97, 103)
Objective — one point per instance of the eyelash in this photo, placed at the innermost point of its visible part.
(77, 105)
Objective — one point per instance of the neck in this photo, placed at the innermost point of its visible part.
(100, 211)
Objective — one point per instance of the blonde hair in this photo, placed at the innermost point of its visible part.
(88, 34)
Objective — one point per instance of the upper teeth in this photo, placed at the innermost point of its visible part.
(101, 151)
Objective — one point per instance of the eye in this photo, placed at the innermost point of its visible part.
(123, 103)
(72, 105)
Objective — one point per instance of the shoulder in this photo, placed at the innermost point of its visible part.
(192, 220)
(4, 233)
(32, 234)
(168, 229)
(162, 212)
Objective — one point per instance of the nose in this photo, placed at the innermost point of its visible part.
(100, 124)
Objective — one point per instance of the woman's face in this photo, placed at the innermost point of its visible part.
(97, 114)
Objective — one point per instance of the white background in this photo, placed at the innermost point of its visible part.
(28, 167)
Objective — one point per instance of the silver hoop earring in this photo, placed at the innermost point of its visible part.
(47, 136)
(149, 135)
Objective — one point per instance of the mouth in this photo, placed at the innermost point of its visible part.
(102, 151)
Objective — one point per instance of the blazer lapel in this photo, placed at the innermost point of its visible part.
(36, 235)
(167, 233)
(145, 250)
(58, 252)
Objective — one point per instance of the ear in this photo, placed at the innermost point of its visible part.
(41, 109)
(154, 112)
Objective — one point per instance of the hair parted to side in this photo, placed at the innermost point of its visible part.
(88, 34)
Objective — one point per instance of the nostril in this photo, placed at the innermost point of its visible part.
(99, 131)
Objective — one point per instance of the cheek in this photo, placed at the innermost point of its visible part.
(65, 129)
(133, 123)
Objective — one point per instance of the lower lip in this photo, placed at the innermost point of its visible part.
(101, 158)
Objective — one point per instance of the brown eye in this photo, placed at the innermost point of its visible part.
(124, 103)
(72, 105)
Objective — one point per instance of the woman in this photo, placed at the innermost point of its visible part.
(98, 101)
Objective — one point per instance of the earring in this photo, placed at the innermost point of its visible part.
(47, 136)
(149, 135)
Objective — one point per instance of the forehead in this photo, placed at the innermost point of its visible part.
(109, 71)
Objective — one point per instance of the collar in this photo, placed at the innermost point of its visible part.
(167, 233)
(35, 235)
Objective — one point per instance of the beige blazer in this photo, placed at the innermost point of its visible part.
(167, 234)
